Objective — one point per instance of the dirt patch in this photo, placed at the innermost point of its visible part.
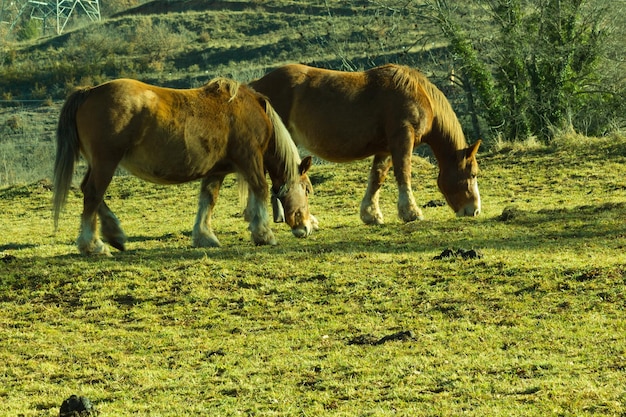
(76, 406)
(434, 203)
(511, 213)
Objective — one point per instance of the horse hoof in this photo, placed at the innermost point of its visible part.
(414, 218)
(206, 242)
(373, 220)
(99, 251)
(272, 242)
(102, 250)
(371, 216)
(412, 215)
(94, 248)
(265, 240)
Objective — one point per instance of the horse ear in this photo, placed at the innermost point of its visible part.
(473, 150)
(305, 165)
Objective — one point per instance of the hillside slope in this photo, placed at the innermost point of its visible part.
(184, 43)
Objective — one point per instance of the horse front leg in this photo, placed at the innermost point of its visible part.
(256, 210)
(110, 227)
(202, 235)
(93, 186)
(402, 148)
(259, 225)
(370, 210)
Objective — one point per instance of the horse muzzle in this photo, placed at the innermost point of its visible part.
(469, 210)
(302, 231)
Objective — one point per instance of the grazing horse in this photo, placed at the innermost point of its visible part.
(169, 136)
(386, 112)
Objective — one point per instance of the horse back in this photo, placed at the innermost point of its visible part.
(342, 116)
(167, 135)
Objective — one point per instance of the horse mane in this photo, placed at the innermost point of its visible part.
(285, 147)
(445, 119)
(222, 83)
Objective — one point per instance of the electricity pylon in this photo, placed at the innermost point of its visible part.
(54, 13)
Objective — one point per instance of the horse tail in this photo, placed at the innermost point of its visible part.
(286, 148)
(68, 150)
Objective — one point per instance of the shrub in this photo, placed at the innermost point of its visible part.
(539, 69)
(29, 30)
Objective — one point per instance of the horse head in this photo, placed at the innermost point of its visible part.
(459, 183)
(290, 202)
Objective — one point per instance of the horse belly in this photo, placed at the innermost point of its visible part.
(336, 145)
(167, 167)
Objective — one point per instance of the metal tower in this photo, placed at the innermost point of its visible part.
(54, 13)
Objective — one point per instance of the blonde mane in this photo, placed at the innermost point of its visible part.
(286, 149)
(222, 83)
(445, 119)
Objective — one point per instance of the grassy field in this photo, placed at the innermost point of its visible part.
(353, 321)
(184, 43)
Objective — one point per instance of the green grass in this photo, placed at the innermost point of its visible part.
(535, 327)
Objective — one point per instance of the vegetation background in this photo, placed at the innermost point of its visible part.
(513, 69)
(355, 320)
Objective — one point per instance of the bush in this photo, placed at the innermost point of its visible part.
(539, 71)
(29, 30)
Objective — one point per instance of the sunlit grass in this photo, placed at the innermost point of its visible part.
(535, 327)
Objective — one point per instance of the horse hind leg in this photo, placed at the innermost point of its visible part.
(93, 186)
(370, 210)
(203, 235)
(110, 227)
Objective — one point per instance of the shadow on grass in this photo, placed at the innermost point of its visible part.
(541, 231)
(581, 229)
(17, 246)
(545, 230)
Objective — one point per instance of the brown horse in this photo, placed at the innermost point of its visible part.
(170, 136)
(385, 112)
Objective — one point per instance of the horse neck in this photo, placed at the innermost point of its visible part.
(281, 158)
(446, 137)
(446, 144)
(281, 170)
(275, 169)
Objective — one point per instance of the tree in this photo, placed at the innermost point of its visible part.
(537, 69)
